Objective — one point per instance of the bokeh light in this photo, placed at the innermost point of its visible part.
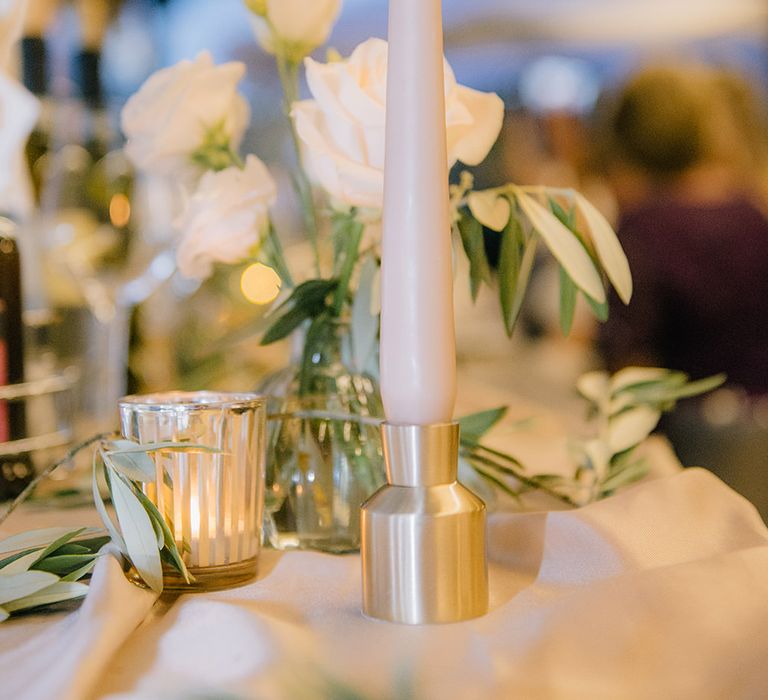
(260, 284)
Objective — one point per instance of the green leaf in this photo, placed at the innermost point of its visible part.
(101, 509)
(138, 533)
(599, 309)
(348, 231)
(488, 473)
(63, 564)
(319, 334)
(158, 532)
(471, 231)
(274, 257)
(628, 378)
(631, 427)
(135, 464)
(14, 586)
(564, 246)
(59, 542)
(307, 301)
(19, 564)
(180, 446)
(77, 574)
(364, 325)
(168, 540)
(34, 539)
(609, 250)
(285, 325)
(514, 274)
(56, 593)
(4, 614)
(632, 472)
(509, 268)
(73, 548)
(567, 218)
(91, 544)
(475, 425)
(568, 291)
(661, 394)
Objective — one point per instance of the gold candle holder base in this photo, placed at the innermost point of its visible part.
(423, 533)
(207, 578)
(212, 578)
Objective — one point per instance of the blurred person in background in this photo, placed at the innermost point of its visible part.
(685, 151)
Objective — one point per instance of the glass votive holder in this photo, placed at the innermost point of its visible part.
(211, 500)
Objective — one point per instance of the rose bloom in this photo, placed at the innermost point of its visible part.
(300, 25)
(167, 119)
(226, 217)
(342, 128)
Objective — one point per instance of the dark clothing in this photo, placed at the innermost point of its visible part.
(700, 301)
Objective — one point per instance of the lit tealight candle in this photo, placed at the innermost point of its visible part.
(211, 498)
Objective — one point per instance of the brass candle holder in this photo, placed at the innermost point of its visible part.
(423, 533)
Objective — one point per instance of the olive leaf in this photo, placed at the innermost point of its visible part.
(307, 301)
(98, 501)
(348, 232)
(514, 272)
(471, 231)
(15, 586)
(474, 426)
(35, 539)
(20, 564)
(138, 533)
(564, 246)
(136, 464)
(609, 250)
(64, 564)
(84, 570)
(364, 327)
(568, 293)
(626, 409)
(55, 593)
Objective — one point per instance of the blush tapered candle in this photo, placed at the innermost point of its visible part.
(418, 345)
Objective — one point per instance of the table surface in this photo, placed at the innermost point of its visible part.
(658, 591)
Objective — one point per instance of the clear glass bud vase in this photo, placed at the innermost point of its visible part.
(324, 448)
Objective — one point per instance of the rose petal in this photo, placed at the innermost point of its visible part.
(487, 110)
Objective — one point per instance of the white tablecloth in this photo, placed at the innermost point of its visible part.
(658, 592)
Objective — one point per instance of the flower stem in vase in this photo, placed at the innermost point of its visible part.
(289, 80)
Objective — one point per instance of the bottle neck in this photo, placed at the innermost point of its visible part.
(34, 65)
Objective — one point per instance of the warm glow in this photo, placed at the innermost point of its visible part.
(260, 284)
(119, 210)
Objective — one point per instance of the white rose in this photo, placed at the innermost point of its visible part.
(168, 119)
(300, 26)
(342, 128)
(225, 218)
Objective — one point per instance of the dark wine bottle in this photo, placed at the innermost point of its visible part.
(35, 78)
(16, 470)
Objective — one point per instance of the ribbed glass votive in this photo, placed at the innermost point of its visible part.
(211, 500)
